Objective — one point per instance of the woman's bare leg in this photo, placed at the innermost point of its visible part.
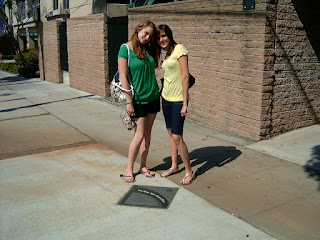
(174, 156)
(144, 147)
(134, 146)
(184, 154)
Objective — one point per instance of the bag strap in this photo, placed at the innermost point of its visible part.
(118, 85)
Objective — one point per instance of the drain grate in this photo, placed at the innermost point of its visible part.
(149, 196)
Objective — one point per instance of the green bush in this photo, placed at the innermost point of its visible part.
(9, 67)
(28, 66)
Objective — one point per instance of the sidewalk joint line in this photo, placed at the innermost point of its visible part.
(16, 99)
(44, 103)
(42, 114)
(45, 150)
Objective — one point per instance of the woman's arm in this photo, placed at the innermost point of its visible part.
(123, 70)
(184, 68)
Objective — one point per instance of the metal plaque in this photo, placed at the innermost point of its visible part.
(149, 196)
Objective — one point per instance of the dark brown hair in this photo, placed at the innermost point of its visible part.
(168, 31)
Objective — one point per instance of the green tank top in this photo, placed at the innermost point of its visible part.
(143, 76)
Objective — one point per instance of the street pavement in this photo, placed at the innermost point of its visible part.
(62, 151)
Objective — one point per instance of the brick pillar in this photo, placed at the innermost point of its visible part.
(88, 53)
(51, 52)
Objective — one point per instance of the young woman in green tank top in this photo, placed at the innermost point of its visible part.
(145, 103)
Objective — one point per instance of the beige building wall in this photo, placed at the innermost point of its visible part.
(27, 24)
(79, 8)
(82, 8)
(45, 6)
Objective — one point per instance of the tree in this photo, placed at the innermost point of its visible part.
(12, 5)
(28, 62)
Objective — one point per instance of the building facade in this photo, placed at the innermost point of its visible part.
(24, 17)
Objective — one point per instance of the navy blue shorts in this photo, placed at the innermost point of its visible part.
(172, 116)
(142, 110)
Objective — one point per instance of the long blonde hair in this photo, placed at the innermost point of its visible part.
(151, 47)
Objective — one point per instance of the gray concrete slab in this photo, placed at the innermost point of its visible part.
(284, 215)
(7, 94)
(34, 133)
(301, 146)
(250, 201)
(73, 194)
(19, 108)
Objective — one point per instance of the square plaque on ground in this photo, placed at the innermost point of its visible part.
(149, 196)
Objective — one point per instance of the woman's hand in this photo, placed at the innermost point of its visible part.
(130, 109)
(183, 111)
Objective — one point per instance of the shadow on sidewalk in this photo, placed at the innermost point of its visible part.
(210, 157)
(313, 165)
(44, 103)
(14, 80)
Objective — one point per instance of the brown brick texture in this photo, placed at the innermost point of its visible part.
(50, 53)
(242, 77)
(87, 54)
(296, 85)
(226, 55)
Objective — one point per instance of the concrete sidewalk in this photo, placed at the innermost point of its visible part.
(62, 151)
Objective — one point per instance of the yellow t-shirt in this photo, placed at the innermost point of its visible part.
(172, 85)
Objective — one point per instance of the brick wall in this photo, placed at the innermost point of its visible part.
(51, 53)
(239, 87)
(296, 87)
(87, 54)
(226, 55)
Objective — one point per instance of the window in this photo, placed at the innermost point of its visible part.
(65, 4)
(33, 6)
(21, 7)
(55, 4)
